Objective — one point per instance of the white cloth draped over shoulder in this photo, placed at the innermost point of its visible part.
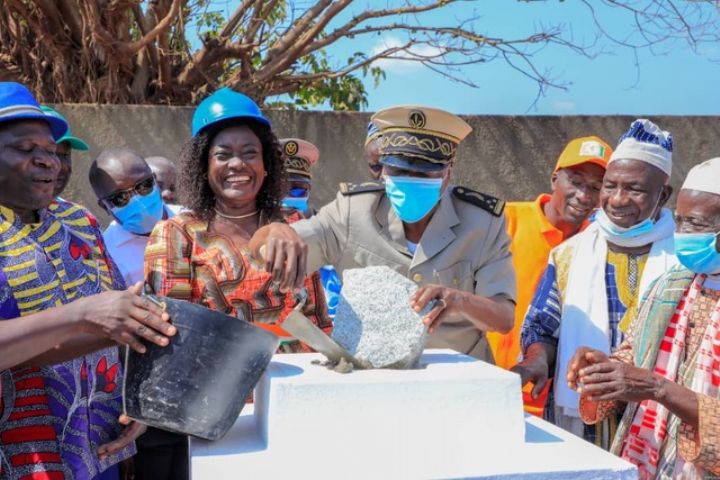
(585, 318)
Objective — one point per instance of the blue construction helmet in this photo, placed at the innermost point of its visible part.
(17, 103)
(222, 105)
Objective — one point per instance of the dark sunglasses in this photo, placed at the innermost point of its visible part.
(298, 192)
(375, 167)
(122, 197)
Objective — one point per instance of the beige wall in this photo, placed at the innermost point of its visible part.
(506, 156)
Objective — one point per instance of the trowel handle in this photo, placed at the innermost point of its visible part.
(302, 298)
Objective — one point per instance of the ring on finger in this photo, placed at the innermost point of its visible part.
(141, 329)
(442, 303)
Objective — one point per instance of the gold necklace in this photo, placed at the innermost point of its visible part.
(236, 217)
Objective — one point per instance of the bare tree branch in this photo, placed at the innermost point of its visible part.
(145, 51)
(278, 64)
(134, 47)
(345, 30)
(235, 19)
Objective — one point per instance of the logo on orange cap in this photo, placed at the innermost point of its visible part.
(584, 150)
(591, 148)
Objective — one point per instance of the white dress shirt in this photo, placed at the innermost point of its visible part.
(128, 249)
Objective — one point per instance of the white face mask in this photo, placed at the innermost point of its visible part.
(643, 228)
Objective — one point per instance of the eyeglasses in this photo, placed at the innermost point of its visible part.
(299, 192)
(375, 167)
(122, 197)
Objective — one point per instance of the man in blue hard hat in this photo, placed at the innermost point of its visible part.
(60, 409)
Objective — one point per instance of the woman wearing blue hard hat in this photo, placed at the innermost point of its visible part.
(232, 179)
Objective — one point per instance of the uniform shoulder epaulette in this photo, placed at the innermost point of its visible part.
(487, 202)
(347, 188)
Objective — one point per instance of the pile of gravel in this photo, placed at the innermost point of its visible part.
(374, 321)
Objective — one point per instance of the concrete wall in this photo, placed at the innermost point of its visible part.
(510, 157)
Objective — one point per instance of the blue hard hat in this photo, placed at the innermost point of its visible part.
(17, 103)
(223, 105)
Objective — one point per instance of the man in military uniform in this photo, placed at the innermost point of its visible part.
(300, 155)
(450, 240)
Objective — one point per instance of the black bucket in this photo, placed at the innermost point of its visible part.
(199, 383)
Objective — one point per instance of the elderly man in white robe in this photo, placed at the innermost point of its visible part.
(667, 371)
(589, 292)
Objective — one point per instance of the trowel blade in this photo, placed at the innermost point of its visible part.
(302, 328)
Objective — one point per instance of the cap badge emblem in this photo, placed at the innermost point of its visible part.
(291, 148)
(417, 119)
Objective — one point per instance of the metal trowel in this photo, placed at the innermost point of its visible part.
(303, 329)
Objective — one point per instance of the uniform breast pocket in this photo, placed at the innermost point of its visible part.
(458, 276)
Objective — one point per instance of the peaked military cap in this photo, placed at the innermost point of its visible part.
(300, 155)
(419, 138)
(373, 132)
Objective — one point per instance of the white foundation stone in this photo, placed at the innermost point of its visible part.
(374, 321)
(428, 411)
(456, 418)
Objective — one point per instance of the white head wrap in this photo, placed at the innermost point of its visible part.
(704, 177)
(647, 143)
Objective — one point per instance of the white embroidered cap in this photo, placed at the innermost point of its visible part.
(704, 177)
(646, 142)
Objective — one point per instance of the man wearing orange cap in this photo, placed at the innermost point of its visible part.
(537, 227)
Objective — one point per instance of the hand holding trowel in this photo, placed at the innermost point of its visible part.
(303, 329)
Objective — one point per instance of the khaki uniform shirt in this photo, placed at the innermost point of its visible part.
(464, 247)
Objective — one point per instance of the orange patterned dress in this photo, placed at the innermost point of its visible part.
(184, 260)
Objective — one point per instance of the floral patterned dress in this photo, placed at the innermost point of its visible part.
(184, 260)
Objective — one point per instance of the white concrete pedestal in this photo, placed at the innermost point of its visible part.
(456, 418)
(431, 411)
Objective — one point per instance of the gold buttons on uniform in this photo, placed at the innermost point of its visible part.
(417, 278)
(456, 282)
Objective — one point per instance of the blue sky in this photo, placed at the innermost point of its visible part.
(677, 80)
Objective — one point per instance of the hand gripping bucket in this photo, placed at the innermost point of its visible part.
(199, 383)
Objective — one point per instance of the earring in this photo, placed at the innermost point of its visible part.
(265, 174)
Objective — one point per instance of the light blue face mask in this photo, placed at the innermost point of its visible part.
(141, 213)
(298, 203)
(412, 198)
(698, 251)
(604, 222)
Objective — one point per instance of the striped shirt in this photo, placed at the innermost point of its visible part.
(542, 321)
(53, 418)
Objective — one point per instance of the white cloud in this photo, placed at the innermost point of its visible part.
(401, 62)
(563, 106)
